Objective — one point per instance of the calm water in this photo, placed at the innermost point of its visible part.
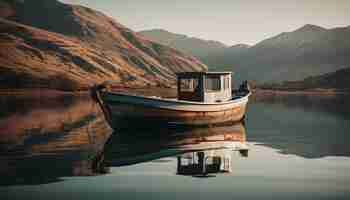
(64, 149)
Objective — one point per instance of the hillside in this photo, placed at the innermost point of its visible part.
(339, 80)
(222, 60)
(308, 51)
(46, 43)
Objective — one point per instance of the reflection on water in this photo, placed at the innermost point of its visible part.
(308, 126)
(337, 106)
(200, 151)
(203, 163)
(44, 140)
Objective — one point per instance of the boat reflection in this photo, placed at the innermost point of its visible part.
(199, 151)
(45, 140)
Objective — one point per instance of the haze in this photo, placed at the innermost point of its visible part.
(228, 21)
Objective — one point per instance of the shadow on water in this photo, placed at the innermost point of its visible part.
(44, 140)
(307, 126)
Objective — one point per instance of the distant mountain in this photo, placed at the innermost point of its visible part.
(191, 45)
(45, 43)
(308, 51)
(339, 80)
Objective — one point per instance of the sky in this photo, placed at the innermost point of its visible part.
(228, 21)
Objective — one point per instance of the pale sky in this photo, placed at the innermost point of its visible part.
(227, 21)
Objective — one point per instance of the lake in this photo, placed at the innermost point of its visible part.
(289, 147)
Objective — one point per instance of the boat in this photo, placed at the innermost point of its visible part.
(203, 98)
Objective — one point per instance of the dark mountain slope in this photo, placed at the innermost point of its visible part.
(339, 80)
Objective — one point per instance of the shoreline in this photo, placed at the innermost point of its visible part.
(310, 92)
(40, 92)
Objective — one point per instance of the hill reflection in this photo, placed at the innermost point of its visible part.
(43, 140)
(307, 126)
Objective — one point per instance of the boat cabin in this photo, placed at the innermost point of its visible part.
(209, 87)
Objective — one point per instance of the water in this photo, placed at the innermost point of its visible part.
(64, 149)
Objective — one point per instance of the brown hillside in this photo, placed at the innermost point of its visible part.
(74, 47)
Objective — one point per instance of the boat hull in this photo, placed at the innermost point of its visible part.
(128, 108)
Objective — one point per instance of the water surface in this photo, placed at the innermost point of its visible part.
(64, 148)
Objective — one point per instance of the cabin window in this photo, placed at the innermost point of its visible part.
(226, 82)
(212, 83)
(188, 84)
(227, 164)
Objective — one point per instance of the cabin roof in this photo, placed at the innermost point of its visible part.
(187, 74)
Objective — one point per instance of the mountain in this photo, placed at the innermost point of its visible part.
(308, 51)
(339, 80)
(222, 60)
(46, 43)
(191, 45)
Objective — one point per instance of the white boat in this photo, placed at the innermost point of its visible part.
(203, 98)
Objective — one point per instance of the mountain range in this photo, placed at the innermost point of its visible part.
(308, 51)
(46, 43)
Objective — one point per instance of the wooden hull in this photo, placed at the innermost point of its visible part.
(152, 109)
